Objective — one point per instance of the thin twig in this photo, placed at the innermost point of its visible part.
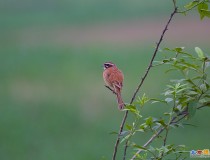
(110, 89)
(153, 56)
(184, 115)
(119, 133)
(166, 136)
(164, 142)
(148, 142)
(205, 105)
(125, 150)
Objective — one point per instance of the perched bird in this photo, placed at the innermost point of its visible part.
(113, 78)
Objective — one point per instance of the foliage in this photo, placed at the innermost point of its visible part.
(182, 97)
(201, 5)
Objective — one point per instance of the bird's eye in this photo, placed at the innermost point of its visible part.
(107, 65)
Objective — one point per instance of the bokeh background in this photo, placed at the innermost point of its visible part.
(53, 103)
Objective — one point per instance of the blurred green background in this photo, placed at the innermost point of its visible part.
(53, 101)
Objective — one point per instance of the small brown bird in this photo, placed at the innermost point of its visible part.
(113, 78)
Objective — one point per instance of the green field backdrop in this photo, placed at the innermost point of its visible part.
(53, 103)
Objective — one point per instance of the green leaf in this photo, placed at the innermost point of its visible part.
(201, 7)
(171, 69)
(166, 60)
(123, 133)
(168, 100)
(140, 130)
(126, 138)
(162, 122)
(199, 52)
(191, 82)
(205, 12)
(151, 149)
(207, 104)
(143, 126)
(191, 5)
(140, 147)
(155, 100)
(132, 109)
(167, 114)
(149, 121)
(164, 149)
(181, 146)
(157, 126)
(179, 49)
(144, 99)
(193, 93)
(179, 108)
(207, 96)
(204, 102)
(167, 49)
(197, 77)
(129, 127)
(189, 124)
(203, 87)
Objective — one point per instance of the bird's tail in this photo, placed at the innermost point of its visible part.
(120, 101)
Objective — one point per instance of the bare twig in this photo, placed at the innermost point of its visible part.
(166, 136)
(125, 150)
(206, 105)
(164, 141)
(153, 56)
(119, 133)
(110, 89)
(184, 115)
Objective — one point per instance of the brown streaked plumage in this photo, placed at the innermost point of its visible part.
(113, 78)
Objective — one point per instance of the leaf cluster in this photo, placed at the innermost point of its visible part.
(182, 98)
(202, 8)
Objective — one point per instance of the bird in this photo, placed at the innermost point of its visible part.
(113, 78)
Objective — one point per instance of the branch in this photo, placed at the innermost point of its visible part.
(154, 55)
(119, 133)
(164, 141)
(125, 149)
(142, 81)
(148, 142)
(184, 113)
(139, 86)
(110, 89)
(150, 66)
(205, 105)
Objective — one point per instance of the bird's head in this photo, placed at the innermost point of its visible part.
(108, 65)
